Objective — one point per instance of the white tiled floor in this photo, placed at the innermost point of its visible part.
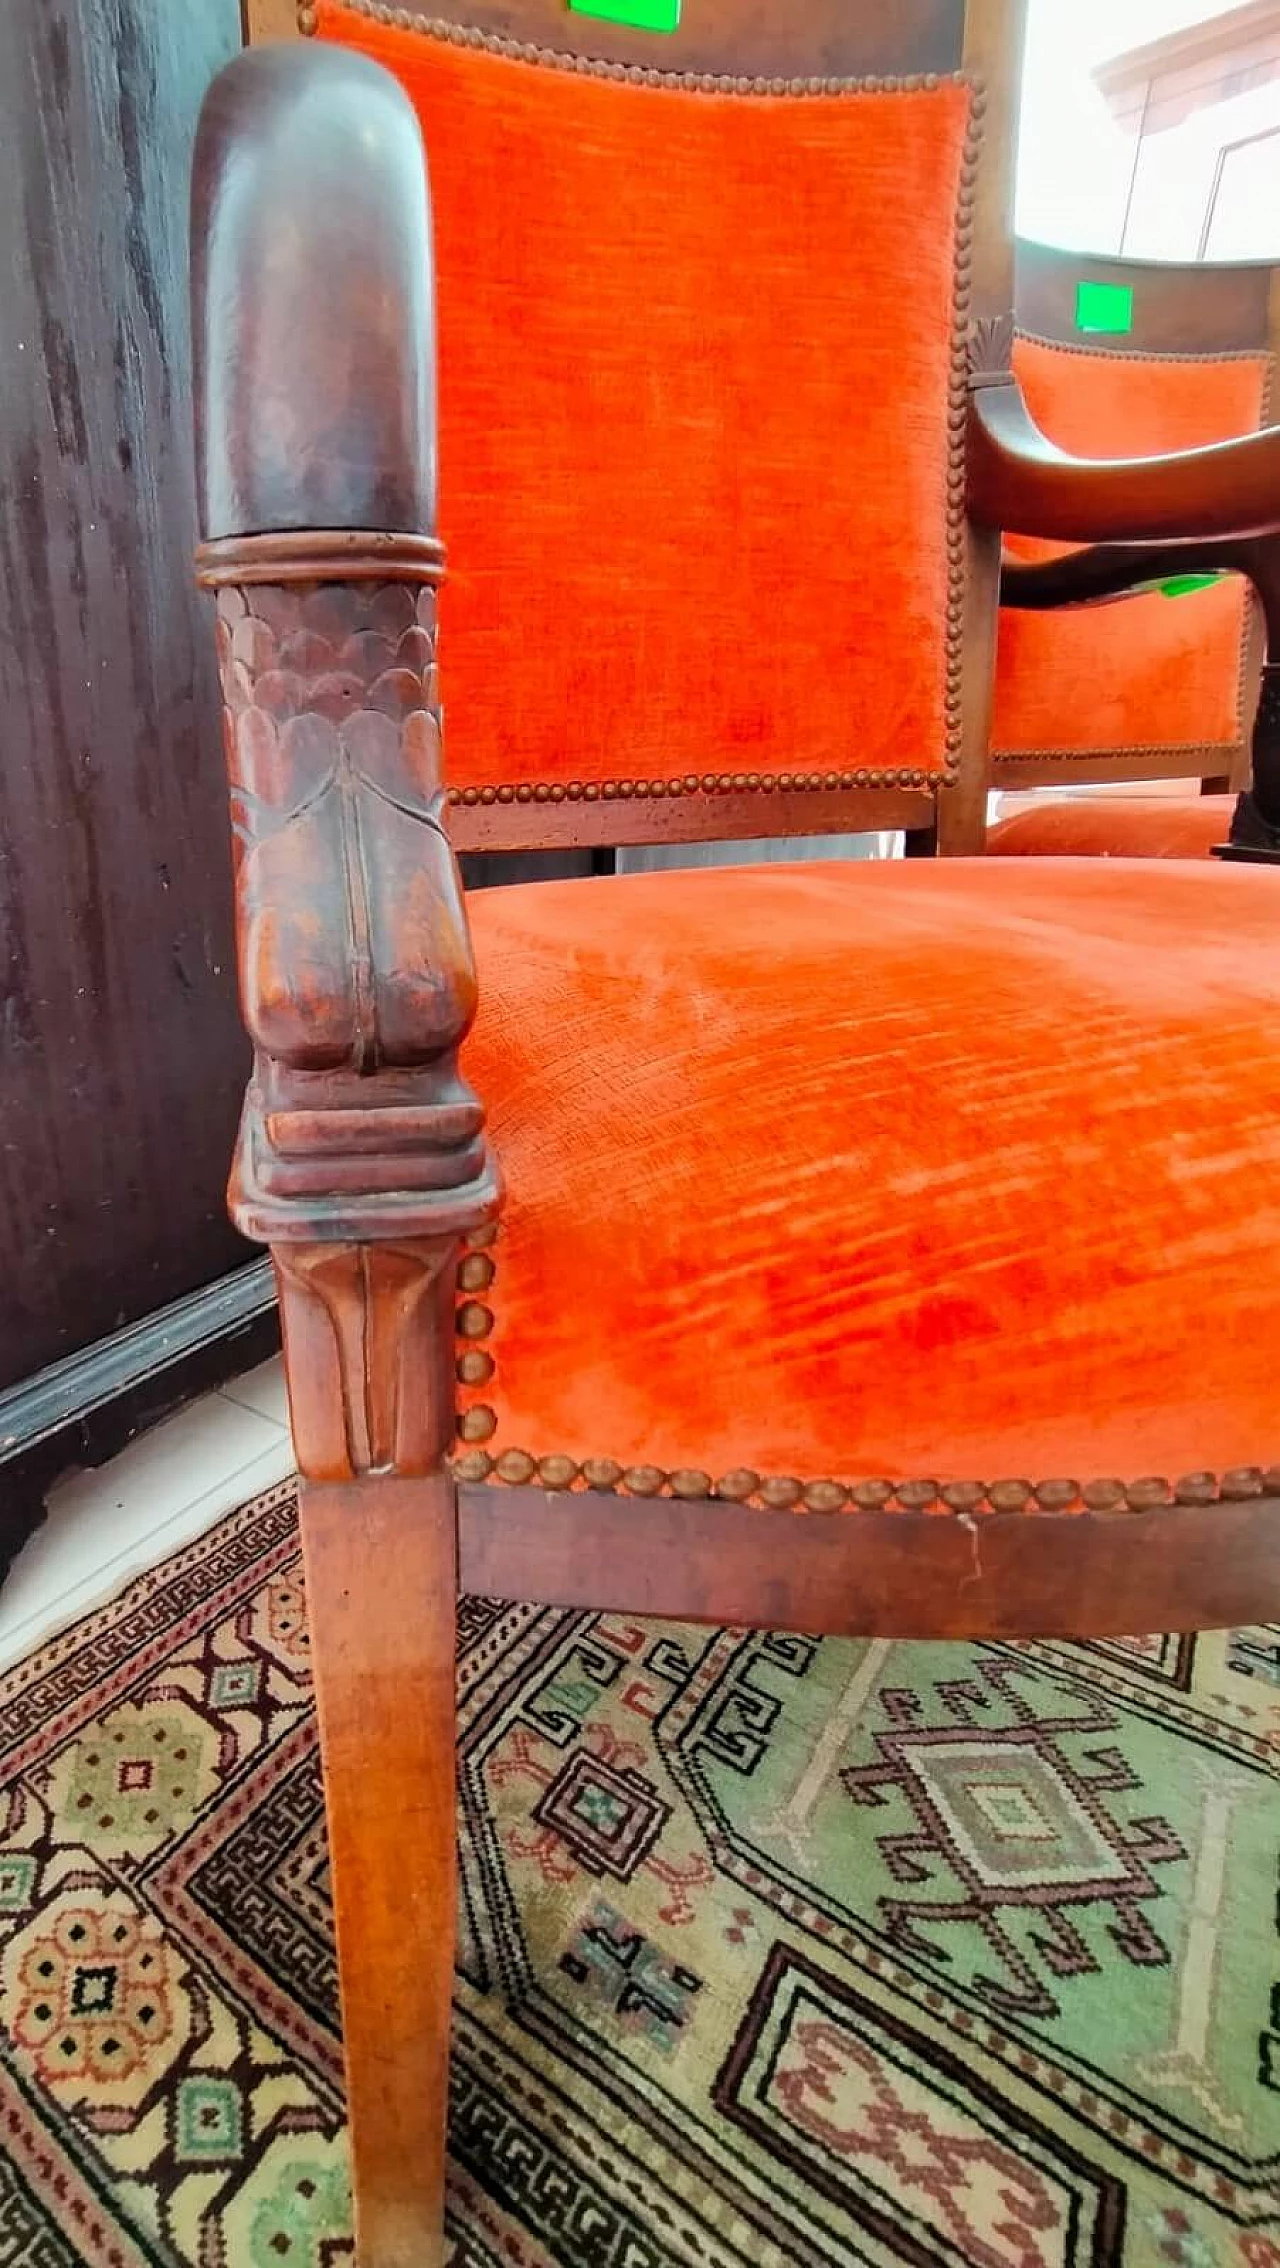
(105, 1527)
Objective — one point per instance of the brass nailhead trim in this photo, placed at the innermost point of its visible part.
(557, 1472)
(643, 1480)
(1257, 353)
(601, 1473)
(713, 784)
(515, 1466)
(782, 1493)
(475, 1367)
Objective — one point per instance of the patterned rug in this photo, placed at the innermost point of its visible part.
(773, 1951)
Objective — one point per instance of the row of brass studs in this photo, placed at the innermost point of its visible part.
(474, 1321)
(957, 537)
(783, 1494)
(692, 783)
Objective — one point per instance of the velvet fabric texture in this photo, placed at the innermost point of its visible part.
(1150, 672)
(694, 383)
(1114, 826)
(966, 1169)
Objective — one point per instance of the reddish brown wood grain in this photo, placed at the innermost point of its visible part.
(1178, 307)
(868, 1574)
(1019, 480)
(380, 1588)
(767, 36)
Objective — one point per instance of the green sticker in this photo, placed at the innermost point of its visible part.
(1174, 586)
(1104, 307)
(646, 15)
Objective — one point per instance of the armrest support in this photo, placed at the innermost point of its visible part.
(362, 1158)
(1019, 479)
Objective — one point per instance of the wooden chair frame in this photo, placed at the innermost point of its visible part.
(362, 1159)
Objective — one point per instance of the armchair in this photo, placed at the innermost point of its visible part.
(819, 1248)
(1150, 689)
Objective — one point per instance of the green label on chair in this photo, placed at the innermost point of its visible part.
(1174, 586)
(646, 15)
(1104, 307)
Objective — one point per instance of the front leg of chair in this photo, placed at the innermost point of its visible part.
(362, 1162)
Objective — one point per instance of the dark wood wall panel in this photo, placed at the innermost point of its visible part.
(121, 1059)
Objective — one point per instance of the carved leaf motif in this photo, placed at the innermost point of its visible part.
(384, 1310)
(354, 940)
(990, 349)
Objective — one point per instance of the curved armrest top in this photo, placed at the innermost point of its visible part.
(1018, 479)
(311, 299)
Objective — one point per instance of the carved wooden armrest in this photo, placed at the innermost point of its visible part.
(362, 1157)
(1019, 479)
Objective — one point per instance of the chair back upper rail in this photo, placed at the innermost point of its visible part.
(1178, 307)
(772, 37)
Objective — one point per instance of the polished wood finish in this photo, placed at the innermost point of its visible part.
(736, 817)
(994, 31)
(753, 36)
(1178, 308)
(355, 963)
(1018, 479)
(121, 1059)
(341, 433)
(381, 1585)
(896, 1574)
(368, 1334)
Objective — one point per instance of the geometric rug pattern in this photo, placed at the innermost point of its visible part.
(774, 1952)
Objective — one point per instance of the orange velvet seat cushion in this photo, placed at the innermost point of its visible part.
(955, 1170)
(694, 444)
(1114, 826)
(1150, 672)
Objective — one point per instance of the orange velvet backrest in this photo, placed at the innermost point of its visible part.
(700, 490)
(1152, 673)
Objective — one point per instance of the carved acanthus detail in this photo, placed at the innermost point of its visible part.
(990, 350)
(367, 1334)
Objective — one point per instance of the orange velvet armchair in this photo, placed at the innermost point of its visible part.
(844, 1248)
(1150, 689)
